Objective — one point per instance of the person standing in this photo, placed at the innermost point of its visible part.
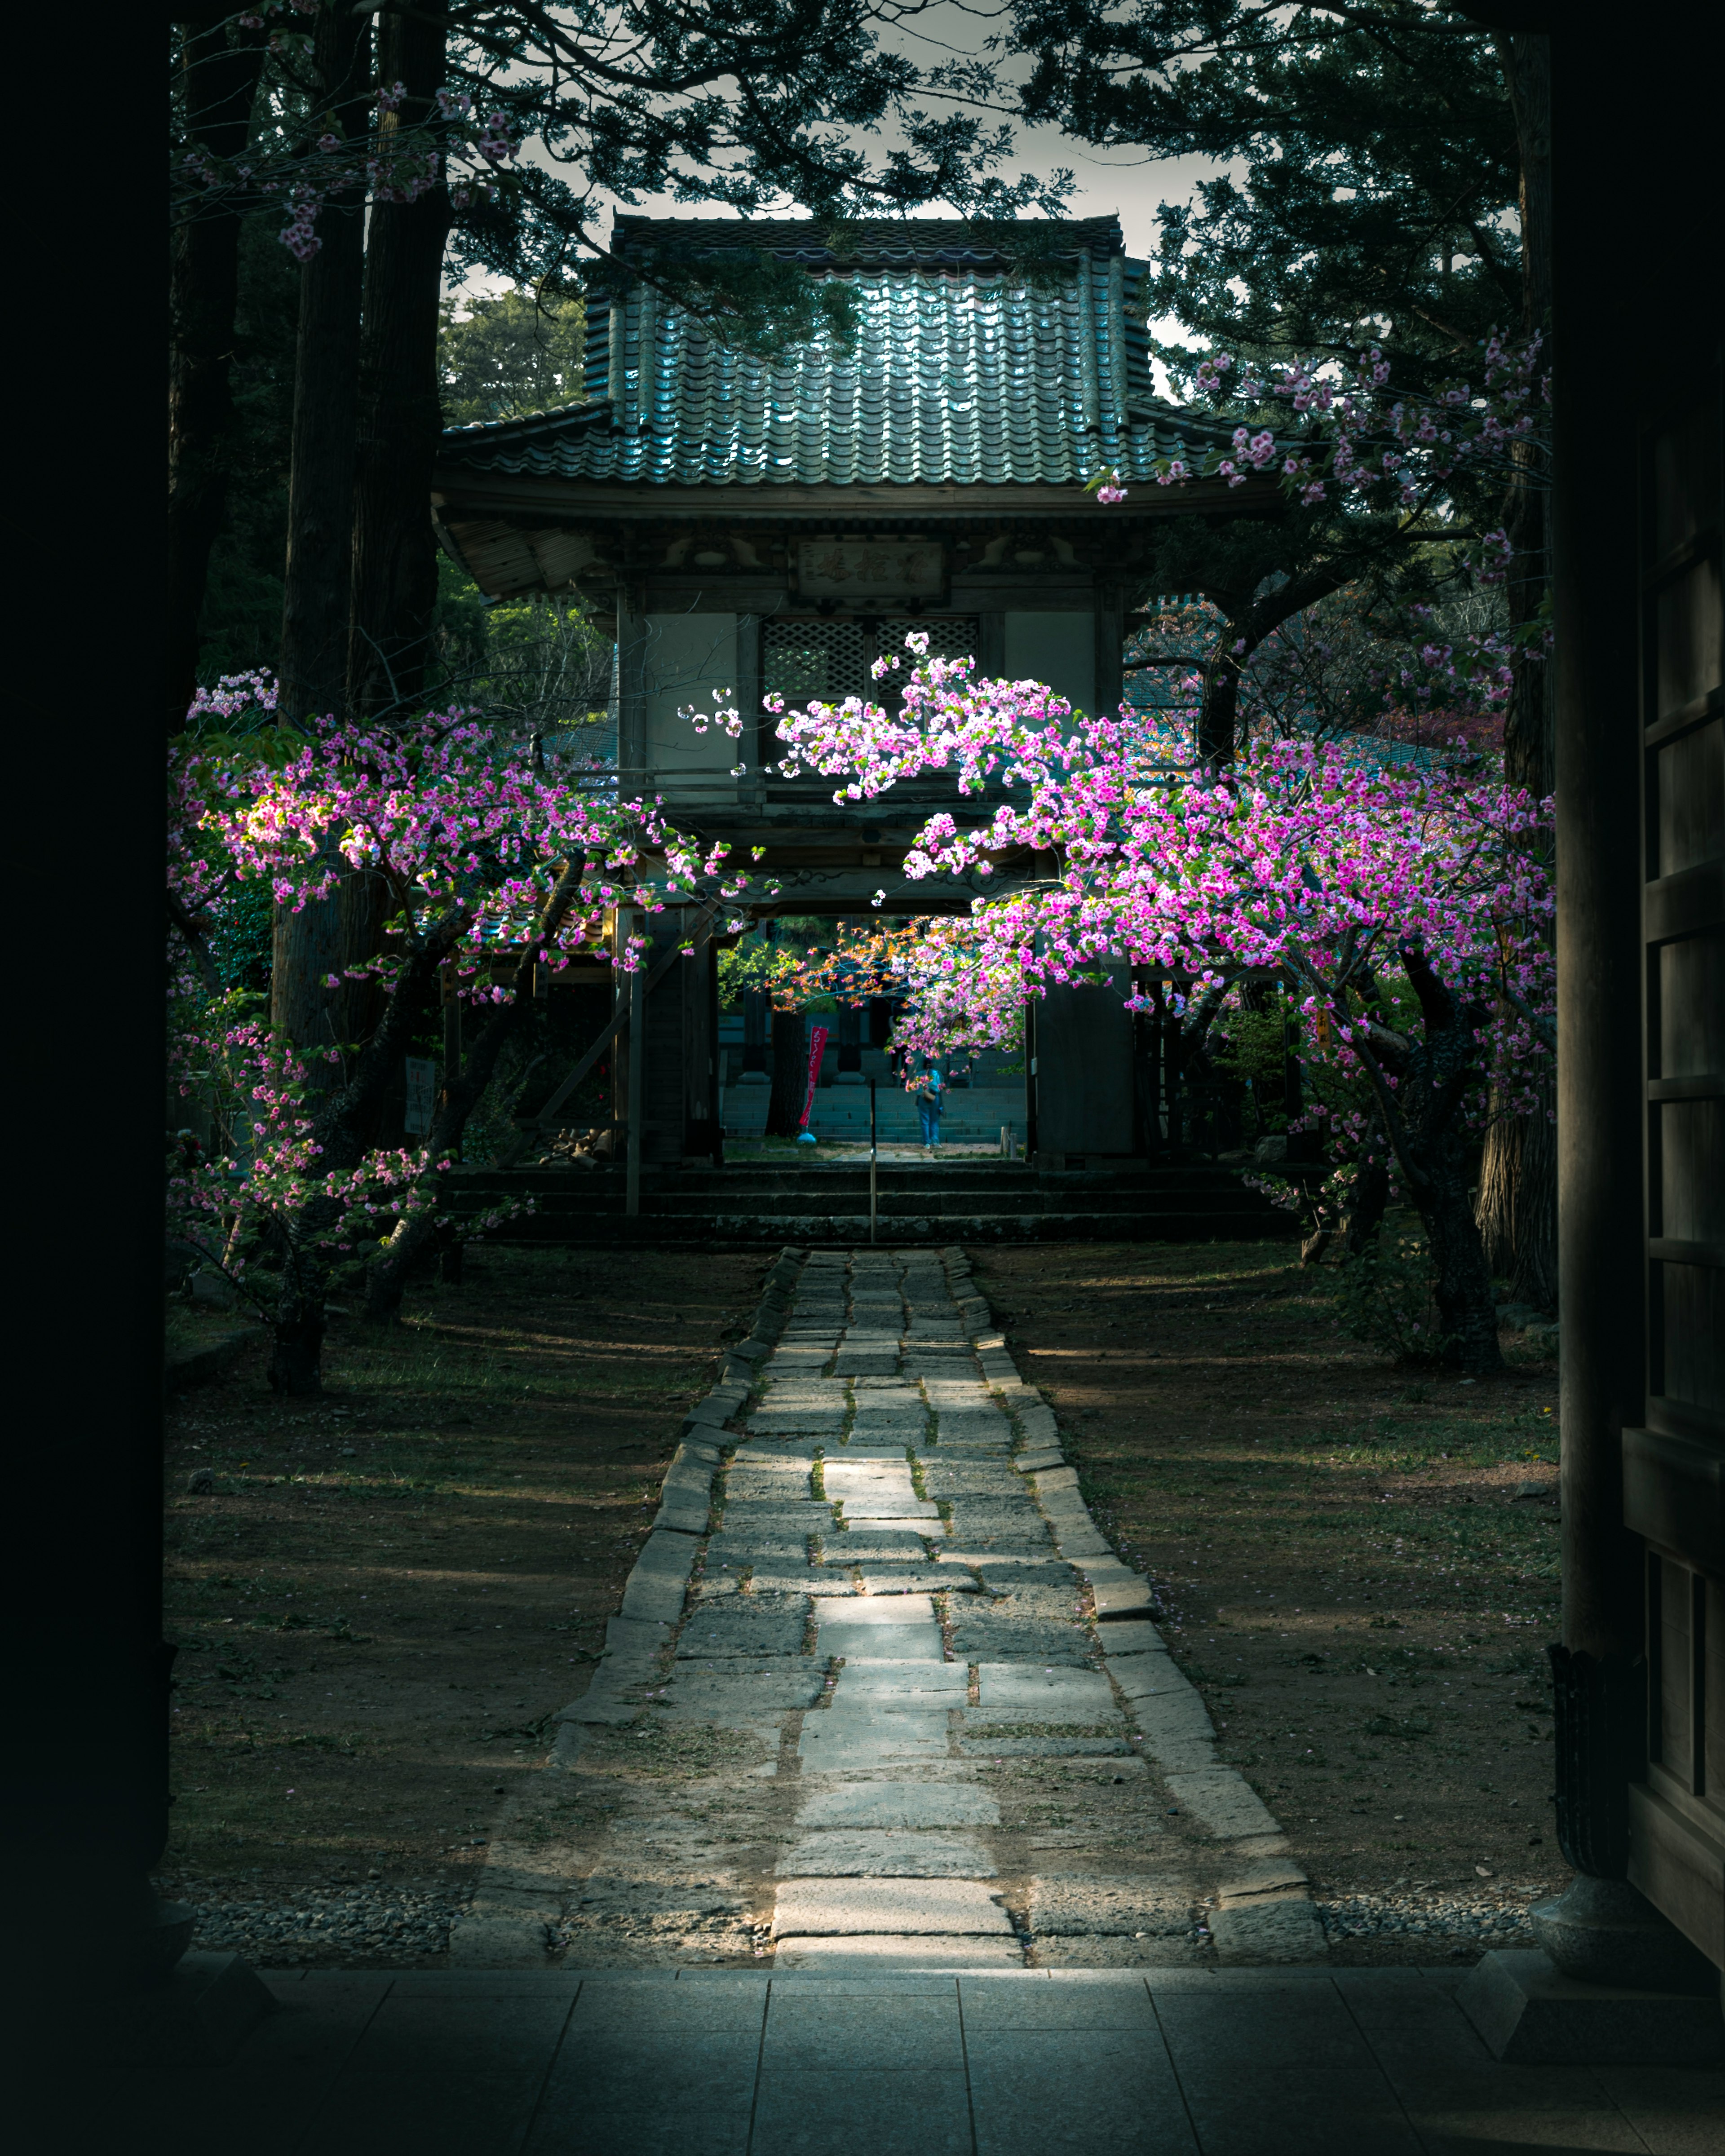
(929, 1099)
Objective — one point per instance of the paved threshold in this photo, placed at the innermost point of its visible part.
(936, 2062)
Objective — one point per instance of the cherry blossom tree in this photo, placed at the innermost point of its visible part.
(1381, 486)
(1392, 892)
(485, 861)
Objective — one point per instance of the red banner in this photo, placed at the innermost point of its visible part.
(817, 1048)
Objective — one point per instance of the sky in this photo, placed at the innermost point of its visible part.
(1124, 181)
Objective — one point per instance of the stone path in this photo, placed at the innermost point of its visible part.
(879, 1695)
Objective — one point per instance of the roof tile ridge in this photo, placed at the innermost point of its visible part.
(577, 408)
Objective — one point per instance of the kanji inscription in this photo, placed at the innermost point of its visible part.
(859, 568)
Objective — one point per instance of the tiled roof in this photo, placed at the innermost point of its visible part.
(962, 371)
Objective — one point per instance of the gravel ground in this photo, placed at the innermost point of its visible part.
(370, 1925)
(1478, 1921)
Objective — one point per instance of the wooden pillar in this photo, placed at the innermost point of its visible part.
(1599, 914)
(1111, 650)
(759, 743)
(631, 691)
(637, 1089)
(1619, 622)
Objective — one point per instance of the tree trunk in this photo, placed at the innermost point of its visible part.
(1423, 1121)
(1500, 1175)
(1463, 1284)
(1218, 714)
(328, 933)
(1371, 1195)
(296, 1350)
(790, 1074)
(1517, 1206)
(388, 1273)
(220, 83)
(326, 936)
(394, 591)
(320, 546)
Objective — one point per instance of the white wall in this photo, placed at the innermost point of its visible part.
(689, 658)
(1059, 649)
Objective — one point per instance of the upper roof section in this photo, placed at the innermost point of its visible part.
(968, 368)
(923, 242)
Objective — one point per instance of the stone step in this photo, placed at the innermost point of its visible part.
(770, 1230)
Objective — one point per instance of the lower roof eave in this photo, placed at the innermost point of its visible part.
(459, 491)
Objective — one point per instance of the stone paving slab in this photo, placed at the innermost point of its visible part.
(833, 1740)
(925, 1803)
(879, 1680)
(944, 1577)
(1044, 1747)
(1174, 2062)
(909, 1643)
(1223, 1802)
(889, 1953)
(1054, 1693)
(740, 1632)
(947, 1907)
(886, 1853)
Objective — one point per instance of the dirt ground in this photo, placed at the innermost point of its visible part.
(392, 1589)
(389, 1591)
(1349, 1574)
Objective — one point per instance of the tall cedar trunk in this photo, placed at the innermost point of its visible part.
(1462, 1282)
(326, 934)
(1517, 1205)
(219, 84)
(461, 1096)
(1424, 1117)
(320, 544)
(394, 591)
(790, 1074)
(1517, 1208)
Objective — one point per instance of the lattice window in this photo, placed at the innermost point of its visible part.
(809, 662)
(826, 661)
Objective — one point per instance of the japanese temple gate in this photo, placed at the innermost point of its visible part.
(755, 527)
